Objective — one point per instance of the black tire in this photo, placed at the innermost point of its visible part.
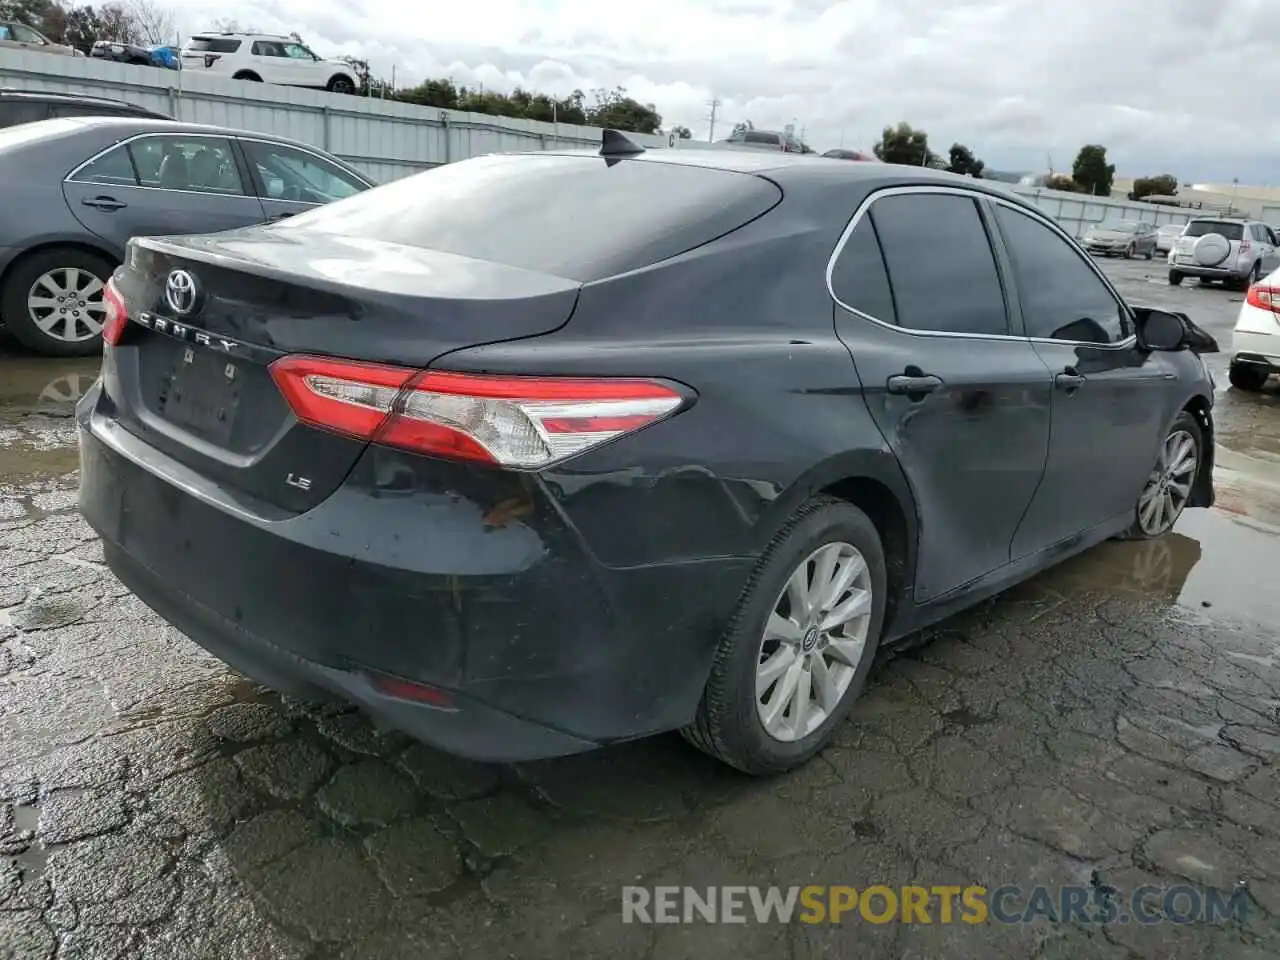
(247, 75)
(339, 83)
(1175, 278)
(1185, 421)
(1248, 377)
(13, 299)
(727, 725)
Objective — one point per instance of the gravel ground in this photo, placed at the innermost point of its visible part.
(1114, 721)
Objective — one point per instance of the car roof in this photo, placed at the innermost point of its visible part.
(9, 93)
(805, 168)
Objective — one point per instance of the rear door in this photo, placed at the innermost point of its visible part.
(1108, 409)
(163, 184)
(959, 396)
(290, 180)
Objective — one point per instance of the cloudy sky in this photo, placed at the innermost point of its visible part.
(1184, 86)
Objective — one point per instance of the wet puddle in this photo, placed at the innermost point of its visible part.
(37, 401)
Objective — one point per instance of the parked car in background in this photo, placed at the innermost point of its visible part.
(90, 184)
(1233, 250)
(28, 106)
(1255, 346)
(19, 36)
(1167, 234)
(269, 59)
(752, 139)
(485, 472)
(1121, 238)
(155, 55)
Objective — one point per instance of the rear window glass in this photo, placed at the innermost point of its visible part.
(213, 45)
(1198, 228)
(581, 218)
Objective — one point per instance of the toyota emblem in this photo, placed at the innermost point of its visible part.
(180, 292)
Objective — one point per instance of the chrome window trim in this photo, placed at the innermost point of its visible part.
(71, 177)
(978, 195)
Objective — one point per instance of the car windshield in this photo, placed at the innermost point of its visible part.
(1118, 226)
(1199, 228)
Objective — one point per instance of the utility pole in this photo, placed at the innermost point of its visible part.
(711, 129)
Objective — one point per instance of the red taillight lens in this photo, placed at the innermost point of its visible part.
(117, 316)
(1264, 298)
(1245, 246)
(525, 422)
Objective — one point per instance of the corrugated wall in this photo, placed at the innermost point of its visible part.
(385, 139)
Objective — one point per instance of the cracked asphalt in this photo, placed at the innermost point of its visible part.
(1115, 720)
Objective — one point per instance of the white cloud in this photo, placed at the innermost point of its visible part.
(1179, 86)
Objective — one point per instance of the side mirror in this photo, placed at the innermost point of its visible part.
(1164, 330)
(1161, 330)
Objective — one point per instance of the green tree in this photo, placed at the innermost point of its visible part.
(613, 108)
(684, 133)
(905, 144)
(964, 162)
(1160, 185)
(31, 12)
(1091, 172)
(1060, 181)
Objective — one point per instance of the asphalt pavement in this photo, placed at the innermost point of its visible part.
(1114, 722)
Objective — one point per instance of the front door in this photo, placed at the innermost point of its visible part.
(1108, 408)
(961, 399)
(162, 184)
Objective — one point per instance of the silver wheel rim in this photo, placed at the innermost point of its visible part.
(66, 304)
(1169, 485)
(814, 642)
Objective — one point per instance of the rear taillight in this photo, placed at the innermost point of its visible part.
(1245, 246)
(525, 422)
(117, 317)
(1264, 298)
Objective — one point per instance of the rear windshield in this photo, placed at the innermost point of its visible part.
(581, 218)
(1198, 228)
(213, 45)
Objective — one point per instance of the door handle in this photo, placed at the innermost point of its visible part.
(279, 216)
(914, 385)
(1069, 379)
(104, 203)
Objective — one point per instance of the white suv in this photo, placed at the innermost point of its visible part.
(1234, 250)
(266, 58)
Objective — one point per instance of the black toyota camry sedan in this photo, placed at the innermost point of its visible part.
(530, 454)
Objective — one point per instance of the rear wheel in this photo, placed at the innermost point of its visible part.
(1168, 488)
(797, 651)
(1175, 278)
(52, 301)
(1248, 377)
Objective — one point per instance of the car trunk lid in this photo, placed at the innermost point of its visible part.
(209, 314)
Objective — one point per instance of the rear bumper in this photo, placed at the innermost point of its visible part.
(1212, 273)
(543, 650)
(1256, 348)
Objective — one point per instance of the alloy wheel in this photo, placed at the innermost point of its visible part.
(1169, 486)
(814, 641)
(66, 304)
